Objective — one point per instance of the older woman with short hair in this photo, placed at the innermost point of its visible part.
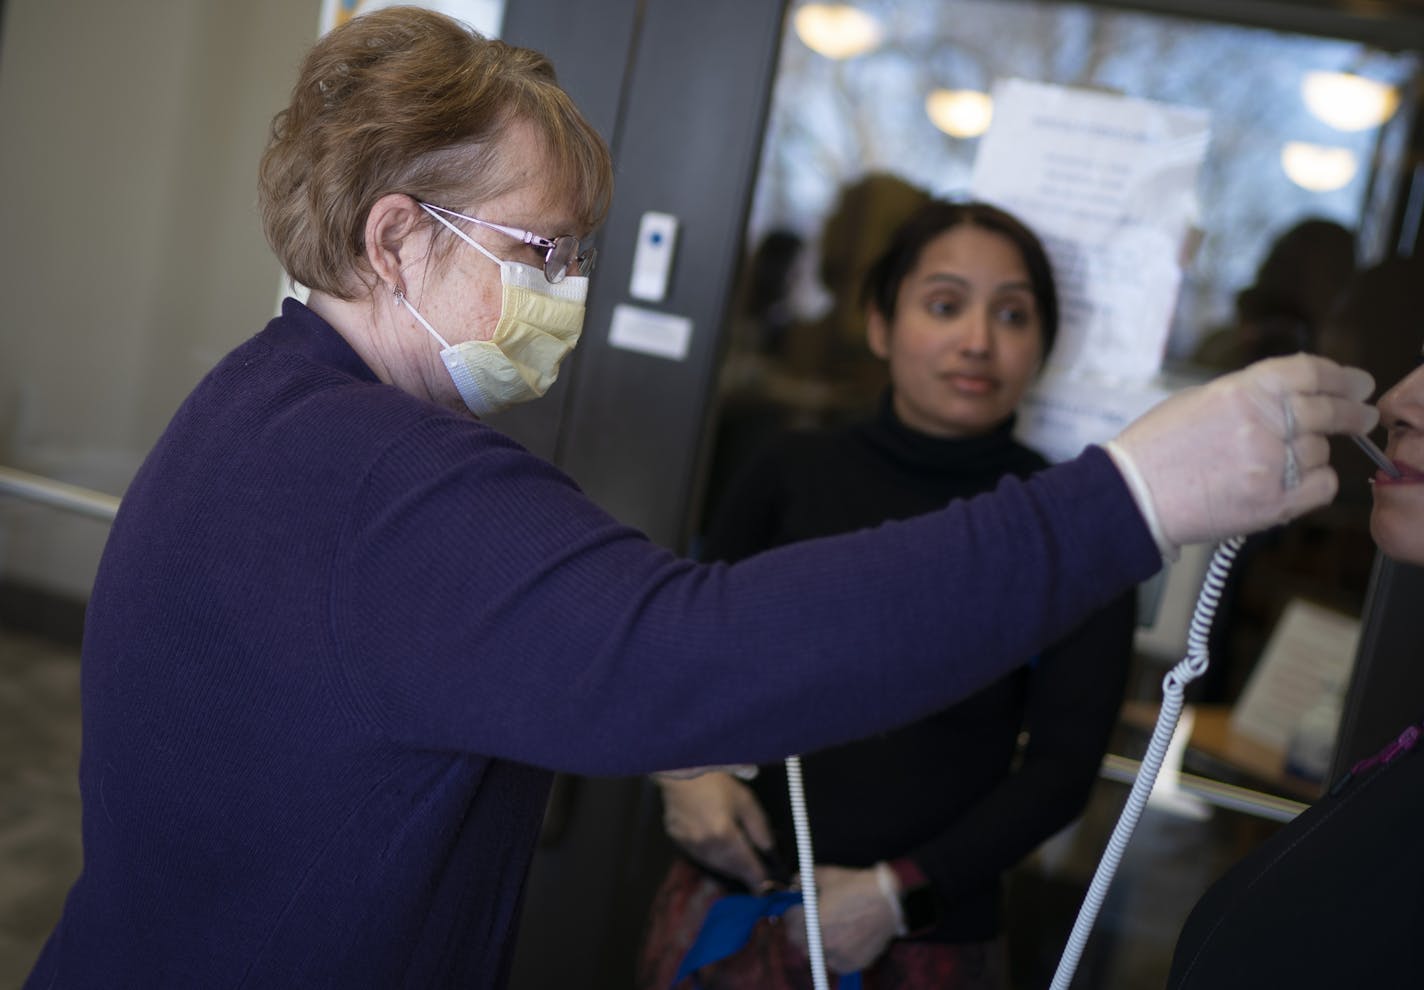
(344, 631)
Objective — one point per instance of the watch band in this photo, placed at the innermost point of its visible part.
(919, 907)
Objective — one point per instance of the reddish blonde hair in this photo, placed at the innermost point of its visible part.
(405, 100)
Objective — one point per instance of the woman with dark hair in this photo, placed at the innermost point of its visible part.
(915, 827)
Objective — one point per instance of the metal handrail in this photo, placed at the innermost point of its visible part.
(58, 494)
(1243, 799)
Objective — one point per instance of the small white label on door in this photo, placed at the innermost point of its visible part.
(650, 332)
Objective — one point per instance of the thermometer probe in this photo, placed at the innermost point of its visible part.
(1378, 456)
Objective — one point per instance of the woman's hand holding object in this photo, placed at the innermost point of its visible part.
(716, 819)
(1243, 452)
(857, 922)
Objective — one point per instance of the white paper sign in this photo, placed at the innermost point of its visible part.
(648, 331)
(1109, 183)
(1063, 413)
(1310, 653)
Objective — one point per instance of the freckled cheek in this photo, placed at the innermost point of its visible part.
(484, 311)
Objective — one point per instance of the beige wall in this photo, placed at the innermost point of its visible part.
(129, 139)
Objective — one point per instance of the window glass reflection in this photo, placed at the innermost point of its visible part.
(1302, 127)
(878, 105)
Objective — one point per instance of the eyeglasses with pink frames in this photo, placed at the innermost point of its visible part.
(560, 252)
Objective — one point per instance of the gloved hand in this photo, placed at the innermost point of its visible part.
(857, 921)
(1211, 462)
(746, 771)
(716, 819)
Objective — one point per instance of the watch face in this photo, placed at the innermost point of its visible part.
(919, 908)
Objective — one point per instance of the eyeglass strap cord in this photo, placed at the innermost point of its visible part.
(432, 210)
(523, 236)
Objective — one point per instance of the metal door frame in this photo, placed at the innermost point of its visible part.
(680, 90)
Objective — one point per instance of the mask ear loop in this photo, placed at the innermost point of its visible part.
(400, 298)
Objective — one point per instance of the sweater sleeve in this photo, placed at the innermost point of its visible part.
(1075, 692)
(481, 603)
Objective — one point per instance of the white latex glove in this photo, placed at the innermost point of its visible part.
(746, 771)
(716, 819)
(857, 922)
(1209, 462)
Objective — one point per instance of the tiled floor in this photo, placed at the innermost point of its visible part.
(39, 794)
(1168, 864)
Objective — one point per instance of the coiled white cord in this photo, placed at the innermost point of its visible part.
(807, 858)
(1192, 666)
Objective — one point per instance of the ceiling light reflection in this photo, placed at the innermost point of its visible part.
(1318, 168)
(961, 113)
(1348, 102)
(837, 30)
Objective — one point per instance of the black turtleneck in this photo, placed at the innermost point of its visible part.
(941, 791)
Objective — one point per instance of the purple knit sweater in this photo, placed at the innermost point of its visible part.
(340, 637)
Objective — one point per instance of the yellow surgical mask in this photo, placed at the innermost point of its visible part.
(539, 323)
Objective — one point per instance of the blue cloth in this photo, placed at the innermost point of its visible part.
(729, 925)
